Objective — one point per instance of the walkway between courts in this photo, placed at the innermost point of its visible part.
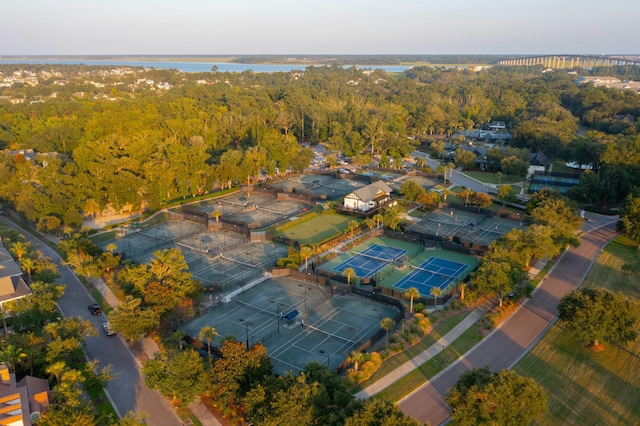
(413, 364)
(406, 368)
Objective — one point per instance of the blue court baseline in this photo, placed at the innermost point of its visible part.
(434, 272)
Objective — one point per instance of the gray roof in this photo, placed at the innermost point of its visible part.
(369, 192)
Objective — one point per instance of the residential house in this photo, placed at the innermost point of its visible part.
(368, 197)
(22, 403)
(12, 284)
(497, 125)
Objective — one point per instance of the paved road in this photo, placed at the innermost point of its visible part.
(456, 178)
(502, 348)
(127, 390)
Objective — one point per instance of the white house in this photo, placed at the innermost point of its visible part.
(368, 197)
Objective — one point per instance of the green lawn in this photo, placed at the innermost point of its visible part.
(584, 387)
(390, 364)
(426, 371)
(318, 228)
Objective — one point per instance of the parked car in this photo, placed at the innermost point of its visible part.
(107, 329)
(95, 309)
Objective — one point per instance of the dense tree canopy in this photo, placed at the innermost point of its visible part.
(596, 315)
(127, 146)
(481, 397)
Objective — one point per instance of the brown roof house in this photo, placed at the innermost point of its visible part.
(22, 403)
(368, 197)
(12, 285)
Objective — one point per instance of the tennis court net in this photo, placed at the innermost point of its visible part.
(379, 259)
(330, 335)
(447, 221)
(438, 274)
(157, 238)
(239, 262)
(255, 308)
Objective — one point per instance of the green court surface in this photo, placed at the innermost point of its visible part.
(318, 228)
(415, 256)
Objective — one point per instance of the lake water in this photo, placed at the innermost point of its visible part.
(191, 66)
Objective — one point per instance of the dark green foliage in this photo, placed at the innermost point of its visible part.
(149, 147)
(596, 315)
(179, 375)
(481, 397)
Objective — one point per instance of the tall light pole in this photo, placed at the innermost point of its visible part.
(278, 312)
(275, 255)
(322, 351)
(246, 331)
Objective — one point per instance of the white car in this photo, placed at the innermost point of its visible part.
(107, 329)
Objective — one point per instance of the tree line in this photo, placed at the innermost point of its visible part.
(146, 147)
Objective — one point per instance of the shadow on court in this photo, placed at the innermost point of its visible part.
(297, 322)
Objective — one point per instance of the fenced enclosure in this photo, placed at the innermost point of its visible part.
(438, 268)
(327, 186)
(463, 226)
(297, 322)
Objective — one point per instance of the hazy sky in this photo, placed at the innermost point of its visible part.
(81, 27)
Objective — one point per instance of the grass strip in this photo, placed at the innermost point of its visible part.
(426, 371)
(390, 364)
(586, 387)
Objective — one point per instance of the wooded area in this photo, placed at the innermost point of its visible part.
(122, 143)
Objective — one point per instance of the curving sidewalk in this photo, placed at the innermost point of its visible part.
(505, 345)
(468, 322)
(427, 354)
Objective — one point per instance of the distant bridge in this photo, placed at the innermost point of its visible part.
(573, 61)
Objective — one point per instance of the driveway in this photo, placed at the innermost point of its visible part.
(127, 390)
(456, 177)
(504, 347)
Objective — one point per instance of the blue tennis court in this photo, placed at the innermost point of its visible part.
(372, 260)
(434, 272)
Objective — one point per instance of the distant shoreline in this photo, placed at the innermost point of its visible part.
(306, 60)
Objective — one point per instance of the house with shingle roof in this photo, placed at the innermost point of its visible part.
(368, 197)
(12, 285)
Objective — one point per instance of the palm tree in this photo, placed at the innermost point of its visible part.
(306, 252)
(55, 370)
(352, 227)
(208, 333)
(435, 292)
(387, 324)
(378, 218)
(463, 286)
(421, 162)
(28, 264)
(499, 176)
(12, 355)
(450, 167)
(466, 193)
(356, 357)
(349, 273)
(20, 248)
(445, 192)
(441, 169)
(371, 223)
(179, 336)
(111, 247)
(411, 293)
(216, 214)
